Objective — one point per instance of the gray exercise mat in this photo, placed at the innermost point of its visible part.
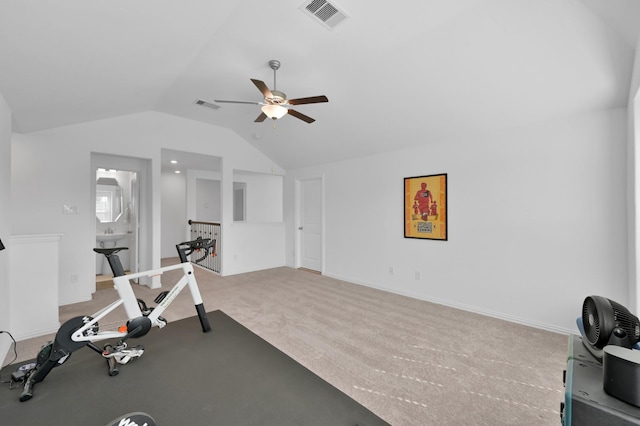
(228, 376)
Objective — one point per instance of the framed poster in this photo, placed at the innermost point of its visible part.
(425, 207)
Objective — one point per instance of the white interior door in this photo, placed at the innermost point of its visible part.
(310, 227)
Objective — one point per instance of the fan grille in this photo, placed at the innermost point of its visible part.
(625, 320)
(601, 315)
(315, 5)
(591, 320)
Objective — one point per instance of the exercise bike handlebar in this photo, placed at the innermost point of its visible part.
(188, 247)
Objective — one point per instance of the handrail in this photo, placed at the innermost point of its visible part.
(212, 231)
(196, 222)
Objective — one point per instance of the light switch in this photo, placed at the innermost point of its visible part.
(70, 209)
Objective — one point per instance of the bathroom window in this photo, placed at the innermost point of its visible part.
(104, 203)
(108, 199)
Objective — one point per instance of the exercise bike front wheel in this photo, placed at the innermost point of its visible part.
(55, 354)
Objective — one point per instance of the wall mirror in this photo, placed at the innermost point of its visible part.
(108, 200)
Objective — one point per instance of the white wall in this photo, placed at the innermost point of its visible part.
(252, 245)
(264, 202)
(34, 286)
(264, 214)
(242, 249)
(208, 200)
(51, 168)
(536, 221)
(5, 223)
(174, 213)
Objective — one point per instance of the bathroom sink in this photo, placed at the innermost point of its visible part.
(103, 238)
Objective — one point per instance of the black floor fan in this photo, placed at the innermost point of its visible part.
(606, 322)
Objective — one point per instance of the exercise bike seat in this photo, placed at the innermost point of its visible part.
(109, 251)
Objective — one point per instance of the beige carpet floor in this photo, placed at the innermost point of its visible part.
(411, 362)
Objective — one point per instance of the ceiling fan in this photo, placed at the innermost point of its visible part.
(275, 104)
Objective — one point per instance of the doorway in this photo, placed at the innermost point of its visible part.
(310, 235)
(121, 212)
(117, 221)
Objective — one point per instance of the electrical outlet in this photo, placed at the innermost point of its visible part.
(417, 275)
(391, 270)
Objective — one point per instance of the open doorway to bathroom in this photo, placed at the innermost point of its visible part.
(117, 220)
(120, 198)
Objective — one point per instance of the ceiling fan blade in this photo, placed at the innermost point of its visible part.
(263, 88)
(309, 100)
(301, 116)
(236, 102)
(260, 118)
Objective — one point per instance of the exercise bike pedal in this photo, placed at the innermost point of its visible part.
(161, 296)
(111, 362)
(122, 354)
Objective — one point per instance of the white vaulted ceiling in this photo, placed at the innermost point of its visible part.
(396, 74)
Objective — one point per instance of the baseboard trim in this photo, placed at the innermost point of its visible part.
(455, 305)
(37, 333)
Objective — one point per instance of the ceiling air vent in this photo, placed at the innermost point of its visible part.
(207, 104)
(325, 13)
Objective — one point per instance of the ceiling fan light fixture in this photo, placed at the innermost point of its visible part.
(275, 104)
(274, 112)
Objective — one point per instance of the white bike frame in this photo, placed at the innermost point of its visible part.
(128, 298)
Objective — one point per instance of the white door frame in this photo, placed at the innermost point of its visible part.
(298, 220)
(142, 168)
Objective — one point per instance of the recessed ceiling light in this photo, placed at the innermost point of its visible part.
(177, 172)
(174, 161)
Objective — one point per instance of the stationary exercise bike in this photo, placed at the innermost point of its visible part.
(83, 331)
